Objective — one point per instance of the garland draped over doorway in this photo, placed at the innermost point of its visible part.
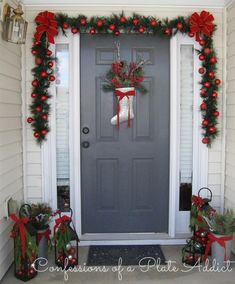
(198, 25)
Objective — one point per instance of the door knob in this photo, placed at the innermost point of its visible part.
(85, 130)
(85, 144)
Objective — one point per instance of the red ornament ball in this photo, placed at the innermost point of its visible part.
(190, 34)
(117, 33)
(36, 43)
(38, 61)
(135, 22)
(33, 95)
(202, 42)
(207, 84)
(92, 31)
(51, 78)
(43, 74)
(153, 23)
(214, 95)
(212, 129)
(44, 132)
(29, 119)
(203, 106)
(31, 271)
(50, 64)
(74, 261)
(206, 50)
(36, 134)
(217, 82)
(213, 60)
(201, 70)
(45, 117)
(216, 113)
(211, 74)
(167, 31)
(35, 83)
(34, 52)
(205, 140)
(99, 23)
(38, 109)
(203, 93)
(112, 27)
(49, 52)
(205, 122)
(141, 30)
(122, 20)
(179, 26)
(65, 26)
(74, 30)
(83, 21)
(201, 57)
(43, 98)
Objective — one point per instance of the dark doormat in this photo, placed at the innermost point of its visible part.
(131, 255)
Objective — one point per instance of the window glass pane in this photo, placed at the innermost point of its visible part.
(186, 125)
(62, 126)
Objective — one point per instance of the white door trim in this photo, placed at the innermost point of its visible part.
(49, 150)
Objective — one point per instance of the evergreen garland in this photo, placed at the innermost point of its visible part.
(114, 25)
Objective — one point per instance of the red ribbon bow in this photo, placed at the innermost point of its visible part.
(45, 234)
(201, 24)
(58, 221)
(20, 223)
(211, 239)
(46, 23)
(121, 95)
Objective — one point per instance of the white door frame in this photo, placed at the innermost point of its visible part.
(49, 150)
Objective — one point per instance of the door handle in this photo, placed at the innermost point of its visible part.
(85, 144)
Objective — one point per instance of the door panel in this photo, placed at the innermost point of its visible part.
(125, 172)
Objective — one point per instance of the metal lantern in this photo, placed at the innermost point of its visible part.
(14, 26)
(24, 263)
(66, 242)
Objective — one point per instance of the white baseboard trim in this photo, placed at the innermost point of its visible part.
(133, 242)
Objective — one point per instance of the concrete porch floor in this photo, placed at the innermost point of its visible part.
(151, 276)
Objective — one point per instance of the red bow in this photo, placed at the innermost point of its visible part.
(58, 221)
(46, 23)
(20, 223)
(121, 95)
(201, 24)
(45, 234)
(211, 239)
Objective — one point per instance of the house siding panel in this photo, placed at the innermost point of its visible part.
(11, 164)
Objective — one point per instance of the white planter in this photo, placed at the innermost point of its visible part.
(218, 251)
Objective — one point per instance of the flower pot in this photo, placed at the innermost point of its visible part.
(220, 254)
(42, 242)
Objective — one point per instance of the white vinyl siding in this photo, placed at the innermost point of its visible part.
(230, 139)
(11, 164)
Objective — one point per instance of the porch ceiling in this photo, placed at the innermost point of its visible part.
(211, 3)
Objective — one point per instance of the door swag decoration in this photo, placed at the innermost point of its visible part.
(198, 25)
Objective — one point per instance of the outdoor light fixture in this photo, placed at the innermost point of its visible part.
(14, 25)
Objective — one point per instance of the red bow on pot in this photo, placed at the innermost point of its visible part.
(46, 24)
(20, 224)
(201, 24)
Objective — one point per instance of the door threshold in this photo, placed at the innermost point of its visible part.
(132, 239)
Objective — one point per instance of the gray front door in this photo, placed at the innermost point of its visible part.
(125, 172)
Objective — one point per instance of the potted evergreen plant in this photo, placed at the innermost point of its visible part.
(41, 214)
(222, 227)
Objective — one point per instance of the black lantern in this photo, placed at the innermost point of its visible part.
(25, 248)
(66, 241)
(206, 206)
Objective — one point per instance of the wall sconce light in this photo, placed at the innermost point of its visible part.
(14, 25)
